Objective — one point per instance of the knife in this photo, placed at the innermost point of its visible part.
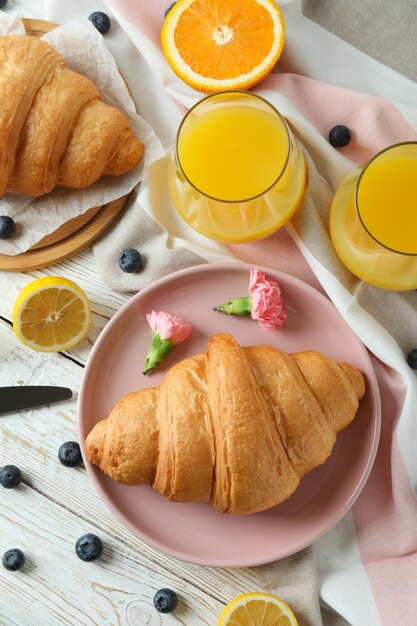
(27, 397)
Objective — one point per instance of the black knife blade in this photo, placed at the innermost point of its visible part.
(27, 397)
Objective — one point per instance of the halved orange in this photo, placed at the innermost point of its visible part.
(217, 45)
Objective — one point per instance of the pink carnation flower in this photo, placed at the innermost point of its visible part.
(167, 331)
(267, 307)
(171, 327)
(263, 304)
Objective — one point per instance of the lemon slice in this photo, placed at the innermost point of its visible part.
(51, 314)
(259, 609)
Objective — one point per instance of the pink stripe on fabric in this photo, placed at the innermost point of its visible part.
(375, 123)
(280, 252)
(385, 515)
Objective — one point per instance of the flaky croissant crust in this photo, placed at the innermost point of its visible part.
(237, 427)
(54, 127)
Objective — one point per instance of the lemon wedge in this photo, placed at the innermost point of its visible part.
(51, 314)
(261, 609)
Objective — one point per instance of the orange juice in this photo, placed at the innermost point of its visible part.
(373, 219)
(233, 153)
(237, 173)
(387, 199)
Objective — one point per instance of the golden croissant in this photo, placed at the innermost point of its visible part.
(54, 127)
(236, 427)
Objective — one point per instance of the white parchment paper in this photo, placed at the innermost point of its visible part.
(84, 51)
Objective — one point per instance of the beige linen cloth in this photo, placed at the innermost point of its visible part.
(295, 579)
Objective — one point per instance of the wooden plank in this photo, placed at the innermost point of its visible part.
(31, 440)
(55, 587)
(83, 270)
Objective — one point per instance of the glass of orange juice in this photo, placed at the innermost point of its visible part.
(373, 219)
(237, 173)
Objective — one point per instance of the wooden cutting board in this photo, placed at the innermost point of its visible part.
(73, 235)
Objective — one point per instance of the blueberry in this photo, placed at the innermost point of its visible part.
(89, 547)
(165, 600)
(3, 3)
(169, 8)
(131, 261)
(69, 454)
(7, 224)
(10, 476)
(339, 136)
(101, 21)
(412, 358)
(13, 559)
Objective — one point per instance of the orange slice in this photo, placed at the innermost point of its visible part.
(262, 609)
(218, 45)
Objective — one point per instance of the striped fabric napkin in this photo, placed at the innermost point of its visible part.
(363, 571)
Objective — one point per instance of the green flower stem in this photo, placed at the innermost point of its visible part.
(157, 352)
(239, 306)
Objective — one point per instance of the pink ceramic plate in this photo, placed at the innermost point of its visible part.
(196, 532)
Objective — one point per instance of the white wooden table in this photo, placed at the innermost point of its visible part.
(55, 505)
